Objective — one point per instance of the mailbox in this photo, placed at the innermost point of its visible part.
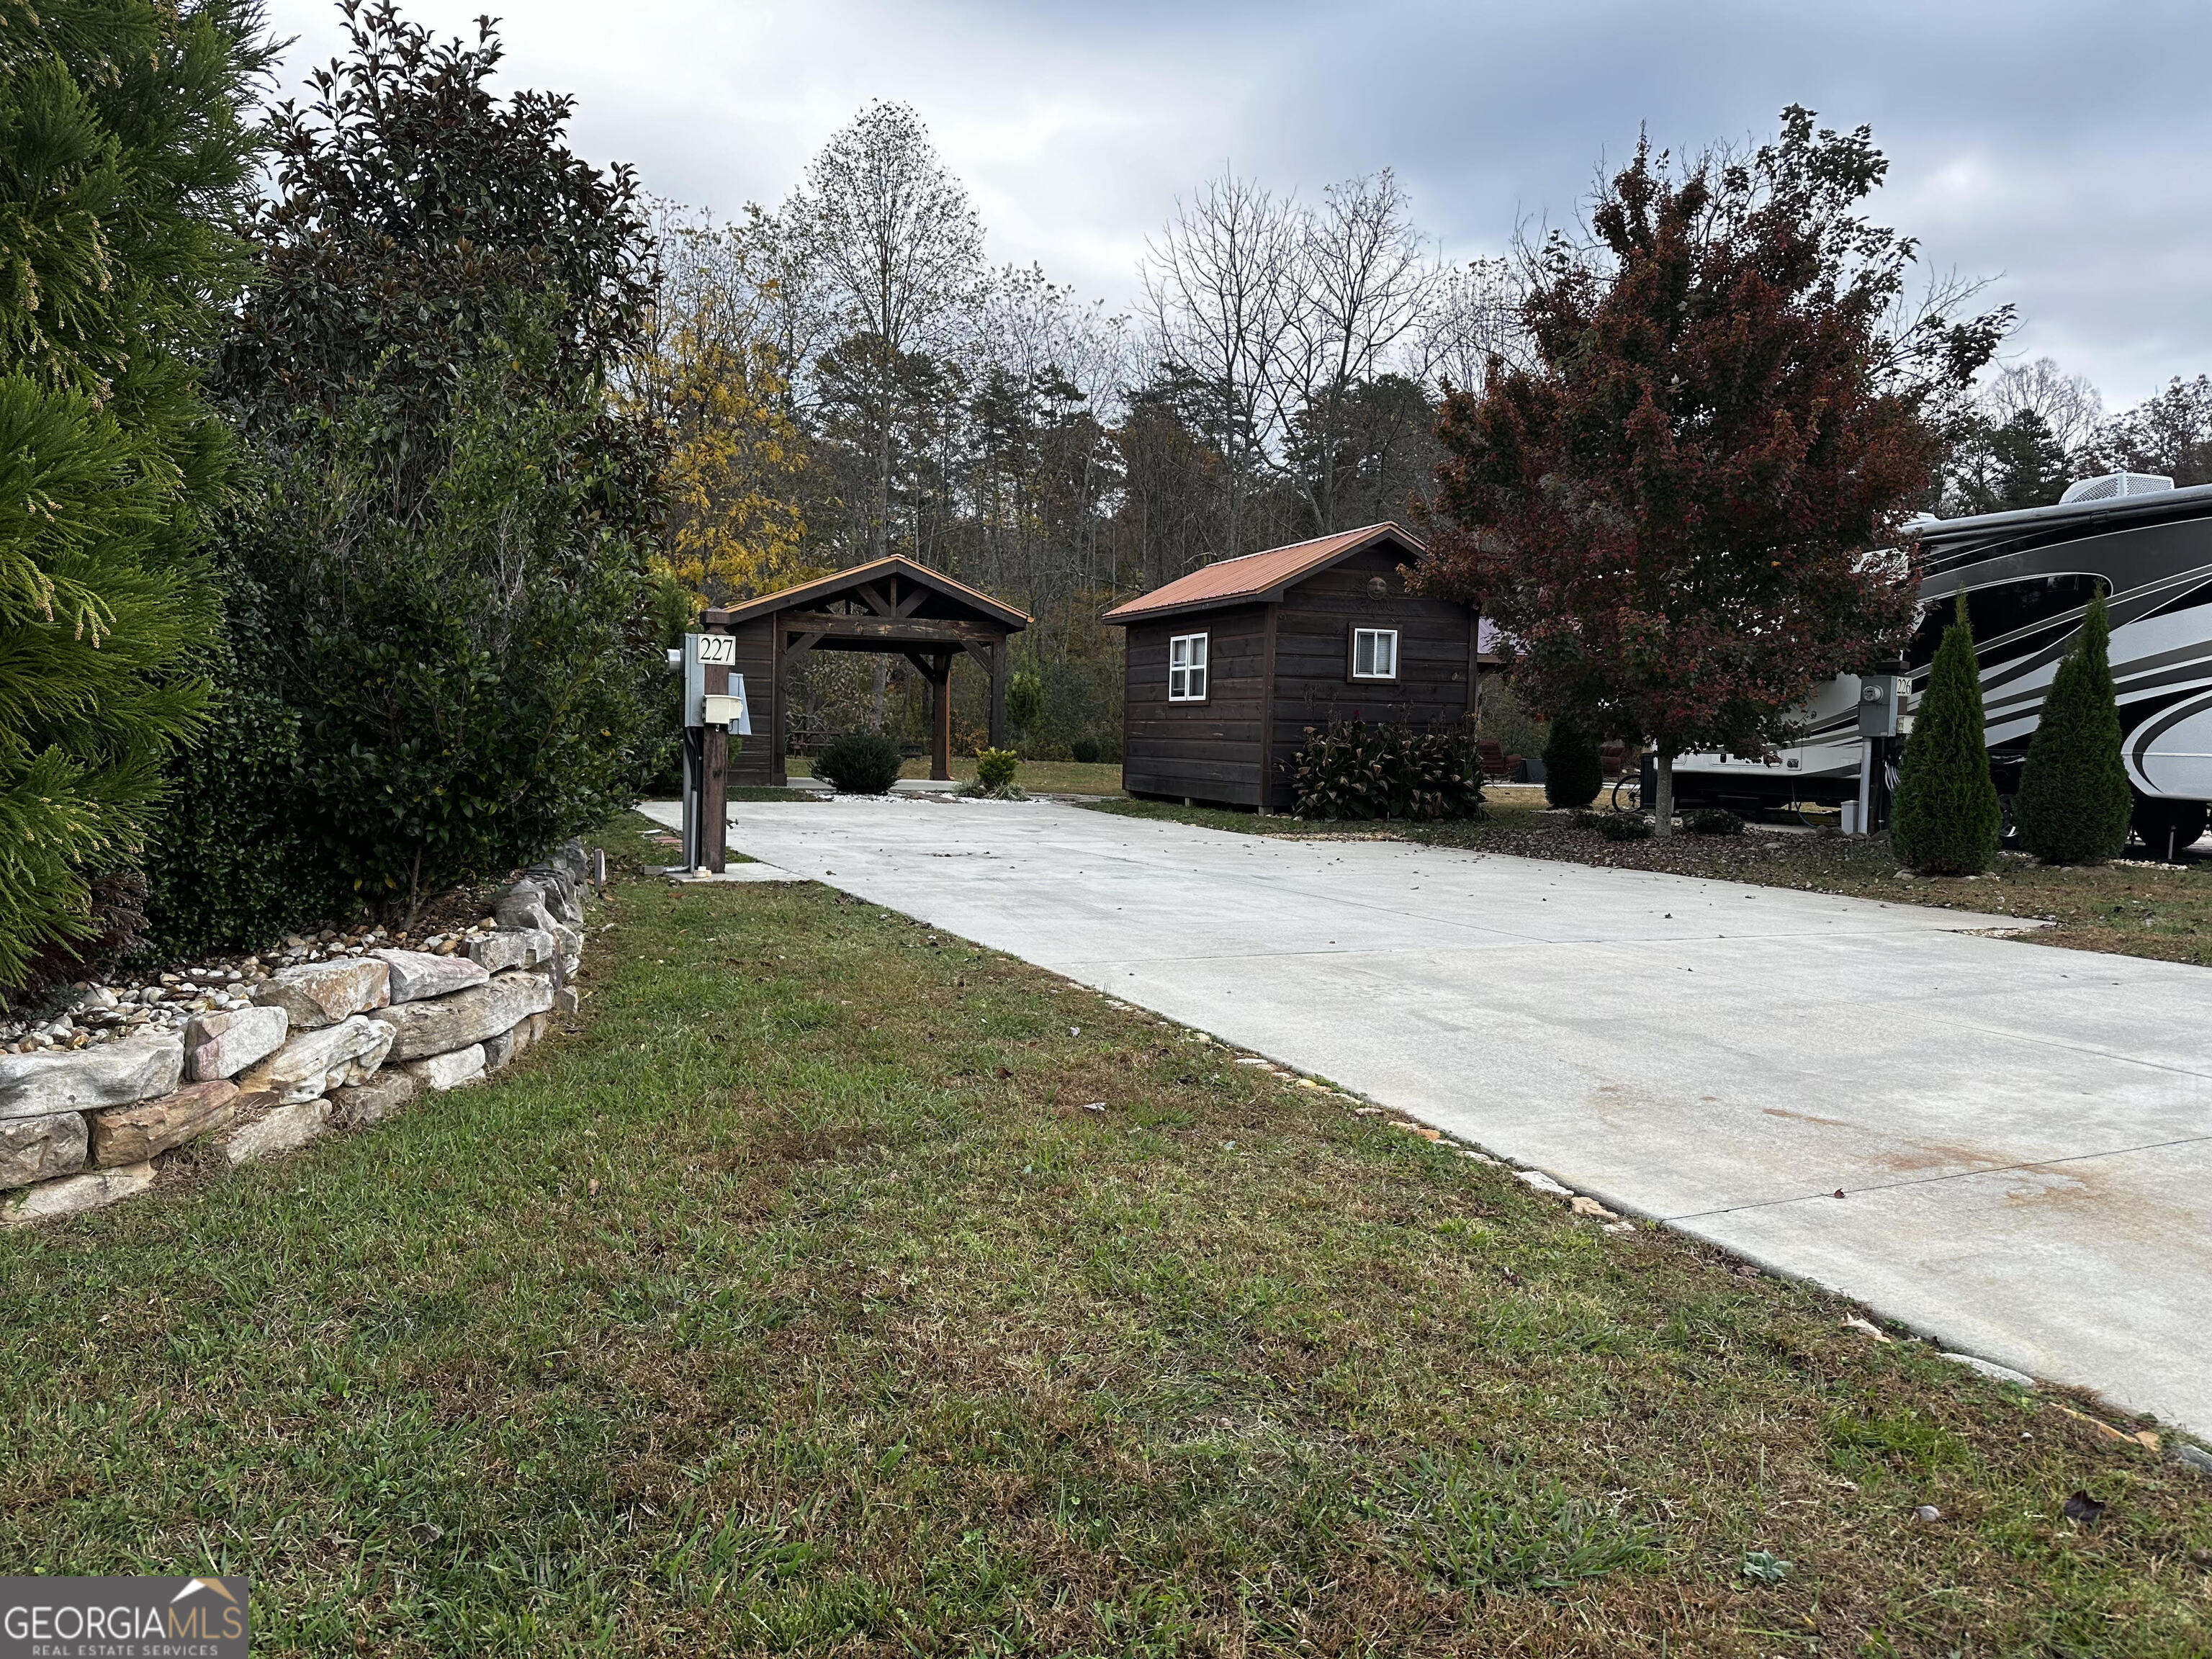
(718, 710)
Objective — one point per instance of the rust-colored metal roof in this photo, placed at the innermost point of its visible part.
(845, 582)
(1256, 576)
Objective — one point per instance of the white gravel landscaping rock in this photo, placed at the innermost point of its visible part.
(220, 1045)
(287, 1126)
(131, 1134)
(449, 1070)
(417, 974)
(50, 1200)
(466, 1017)
(317, 995)
(106, 1075)
(40, 1148)
(308, 1066)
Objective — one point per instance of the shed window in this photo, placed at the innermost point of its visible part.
(1187, 668)
(1375, 654)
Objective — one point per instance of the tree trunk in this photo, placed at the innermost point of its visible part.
(882, 671)
(1663, 806)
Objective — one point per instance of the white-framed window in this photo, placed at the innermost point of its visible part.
(1187, 668)
(1375, 654)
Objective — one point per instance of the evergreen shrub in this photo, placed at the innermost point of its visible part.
(1714, 821)
(1573, 772)
(863, 763)
(1353, 770)
(1624, 826)
(2075, 804)
(1084, 750)
(1945, 818)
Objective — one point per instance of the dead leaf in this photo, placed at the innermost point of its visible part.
(1422, 1130)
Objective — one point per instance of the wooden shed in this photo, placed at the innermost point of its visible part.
(1226, 668)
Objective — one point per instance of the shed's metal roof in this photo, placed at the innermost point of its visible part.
(1257, 576)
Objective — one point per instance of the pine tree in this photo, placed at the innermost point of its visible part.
(123, 160)
(1573, 774)
(2074, 803)
(1946, 819)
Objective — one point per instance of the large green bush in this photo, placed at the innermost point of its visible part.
(124, 168)
(1351, 769)
(1573, 774)
(863, 763)
(451, 530)
(2074, 803)
(1945, 818)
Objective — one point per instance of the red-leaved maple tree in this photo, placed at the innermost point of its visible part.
(1675, 505)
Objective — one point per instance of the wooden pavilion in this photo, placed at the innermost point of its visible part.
(891, 605)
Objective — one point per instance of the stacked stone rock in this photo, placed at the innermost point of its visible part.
(321, 1045)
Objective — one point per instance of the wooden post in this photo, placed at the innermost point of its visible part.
(715, 784)
(998, 693)
(940, 724)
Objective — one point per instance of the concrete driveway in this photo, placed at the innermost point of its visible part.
(2023, 1135)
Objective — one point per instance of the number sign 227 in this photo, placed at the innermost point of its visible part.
(718, 650)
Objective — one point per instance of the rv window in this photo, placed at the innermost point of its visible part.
(2003, 609)
(1375, 654)
(1187, 668)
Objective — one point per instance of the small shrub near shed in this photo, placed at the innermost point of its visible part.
(995, 771)
(1354, 770)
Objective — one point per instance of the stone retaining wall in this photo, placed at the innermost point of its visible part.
(327, 1045)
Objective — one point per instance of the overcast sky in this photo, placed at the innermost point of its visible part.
(2060, 149)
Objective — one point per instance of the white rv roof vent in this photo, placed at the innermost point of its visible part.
(2114, 485)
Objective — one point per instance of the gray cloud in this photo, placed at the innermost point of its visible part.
(2055, 148)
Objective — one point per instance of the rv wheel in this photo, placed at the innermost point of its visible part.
(2166, 826)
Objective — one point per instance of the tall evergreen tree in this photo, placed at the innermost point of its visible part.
(125, 165)
(1946, 819)
(1573, 772)
(2075, 804)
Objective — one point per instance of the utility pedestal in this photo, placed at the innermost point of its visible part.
(714, 704)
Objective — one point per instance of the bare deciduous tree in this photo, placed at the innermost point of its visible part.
(1222, 288)
(1363, 284)
(2067, 404)
(893, 240)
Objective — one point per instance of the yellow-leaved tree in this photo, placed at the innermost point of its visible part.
(738, 475)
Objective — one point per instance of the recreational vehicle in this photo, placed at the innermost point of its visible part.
(2028, 576)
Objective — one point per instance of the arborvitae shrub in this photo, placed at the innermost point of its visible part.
(860, 764)
(2073, 802)
(1354, 770)
(1573, 772)
(1946, 819)
(995, 769)
(1085, 750)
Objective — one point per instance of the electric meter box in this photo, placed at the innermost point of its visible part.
(1878, 699)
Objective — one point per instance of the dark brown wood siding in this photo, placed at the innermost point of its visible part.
(1207, 751)
(753, 760)
(1313, 657)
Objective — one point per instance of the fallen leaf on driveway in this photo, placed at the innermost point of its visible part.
(1583, 1205)
(1421, 1130)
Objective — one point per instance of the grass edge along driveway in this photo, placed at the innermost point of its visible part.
(839, 1287)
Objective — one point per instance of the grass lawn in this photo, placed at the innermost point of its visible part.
(1038, 777)
(838, 1288)
(2133, 910)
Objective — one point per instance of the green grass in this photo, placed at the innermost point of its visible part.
(798, 1302)
(1038, 777)
(2126, 909)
